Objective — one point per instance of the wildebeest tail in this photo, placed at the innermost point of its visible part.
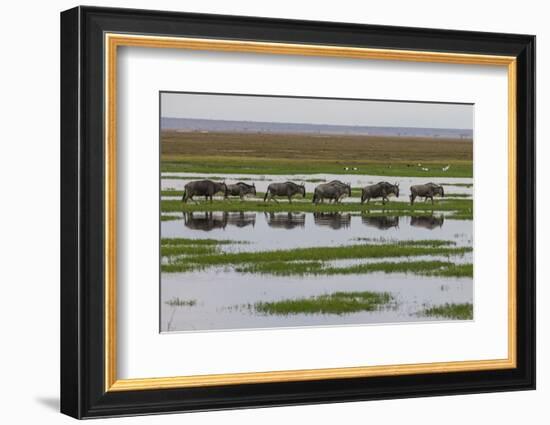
(183, 196)
(266, 193)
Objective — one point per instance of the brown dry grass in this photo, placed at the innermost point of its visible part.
(180, 145)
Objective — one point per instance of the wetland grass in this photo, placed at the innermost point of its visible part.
(335, 303)
(204, 260)
(423, 268)
(178, 302)
(464, 311)
(458, 206)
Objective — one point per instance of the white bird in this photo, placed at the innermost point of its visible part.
(425, 169)
(354, 168)
(419, 164)
(446, 168)
(346, 168)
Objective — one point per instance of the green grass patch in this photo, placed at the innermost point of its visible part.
(178, 302)
(463, 311)
(424, 268)
(172, 250)
(420, 242)
(459, 195)
(166, 217)
(177, 264)
(243, 165)
(298, 205)
(457, 184)
(171, 247)
(337, 303)
(189, 241)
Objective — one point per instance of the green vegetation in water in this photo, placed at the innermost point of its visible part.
(166, 217)
(459, 195)
(419, 242)
(463, 311)
(336, 303)
(178, 302)
(457, 184)
(195, 242)
(424, 268)
(200, 261)
(186, 246)
(299, 205)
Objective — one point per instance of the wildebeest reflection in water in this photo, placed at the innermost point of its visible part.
(241, 219)
(381, 222)
(333, 220)
(427, 221)
(217, 220)
(285, 220)
(205, 220)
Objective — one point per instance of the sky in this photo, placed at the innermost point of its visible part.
(317, 111)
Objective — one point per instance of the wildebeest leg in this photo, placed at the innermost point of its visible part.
(432, 199)
(290, 199)
(412, 198)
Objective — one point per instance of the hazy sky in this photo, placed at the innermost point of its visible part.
(316, 111)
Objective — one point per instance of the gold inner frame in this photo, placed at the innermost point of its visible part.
(113, 41)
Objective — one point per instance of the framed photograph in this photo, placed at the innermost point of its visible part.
(261, 212)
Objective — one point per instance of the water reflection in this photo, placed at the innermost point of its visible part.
(217, 220)
(427, 221)
(383, 222)
(285, 220)
(334, 220)
(205, 220)
(241, 219)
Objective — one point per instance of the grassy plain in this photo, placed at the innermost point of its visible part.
(245, 153)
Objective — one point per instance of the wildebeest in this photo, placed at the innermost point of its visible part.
(381, 222)
(427, 221)
(288, 189)
(240, 189)
(206, 188)
(428, 190)
(334, 220)
(285, 220)
(379, 190)
(333, 190)
(205, 220)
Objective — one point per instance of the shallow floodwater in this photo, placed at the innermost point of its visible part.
(268, 231)
(224, 299)
(177, 181)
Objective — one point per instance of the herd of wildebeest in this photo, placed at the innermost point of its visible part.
(332, 191)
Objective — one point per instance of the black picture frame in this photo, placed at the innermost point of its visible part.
(82, 212)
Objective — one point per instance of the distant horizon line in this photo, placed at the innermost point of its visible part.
(315, 124)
